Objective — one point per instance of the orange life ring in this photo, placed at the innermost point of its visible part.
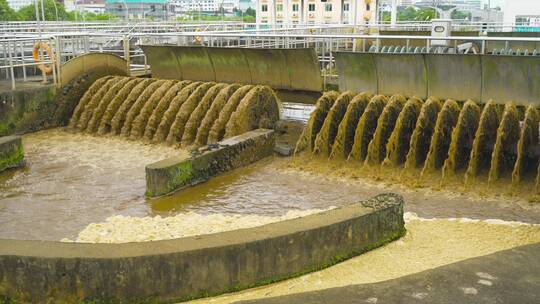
(47, 69)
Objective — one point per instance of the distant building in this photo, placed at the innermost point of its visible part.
(465, 5)
(184, 6)
(316, 11)
(487, 15)
(87, 6)
(138, 9)
(17, 4)
(523, 12)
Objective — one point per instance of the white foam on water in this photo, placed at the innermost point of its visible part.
(124, 229)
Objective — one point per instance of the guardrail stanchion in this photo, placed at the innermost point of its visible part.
(11, 68)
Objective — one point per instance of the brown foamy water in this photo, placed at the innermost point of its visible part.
(73, 180)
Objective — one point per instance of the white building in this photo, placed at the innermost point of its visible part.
(184, 6)
(17, 4)
(523, 12)
(316, 11)
(461, 4)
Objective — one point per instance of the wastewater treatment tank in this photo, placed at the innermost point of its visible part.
(84, 180)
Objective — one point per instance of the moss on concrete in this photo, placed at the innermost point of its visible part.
(11, 153)
(27, 110)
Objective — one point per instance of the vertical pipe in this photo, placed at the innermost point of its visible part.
(22, 61)
(11, 69)
(59, 59)
(126, 54)
(393, 15)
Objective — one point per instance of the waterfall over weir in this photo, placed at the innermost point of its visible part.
(448, 138)
(176, 112)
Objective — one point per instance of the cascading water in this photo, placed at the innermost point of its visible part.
(367, 125)
(399, 141)
(327, 135)
(217, 132)
(462, 139)
(174, 111)
(345, 134)
(385, 124)
(445, 139)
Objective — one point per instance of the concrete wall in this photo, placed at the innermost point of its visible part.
(176, 173)
(180, 269)
(460, 77)
(11, 152)
(289, 69)
(26, 109)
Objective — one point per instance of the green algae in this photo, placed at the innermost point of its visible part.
(217, 131)
(462, 139)
(315, 121)
(178, 126)
(503, 158)
(162, 106)
(94, 102)
(114, 105)
(326, 136)
(367, 125)
(170, 114)
(528, 140)
(260, 108)
(213, 113)
(345, 135)
(376, 150)
(140, 122)
(195, 119)
(442, 136)
(423, 131)
(104, 103)
(120, 116)
(97, 85)
(138, 105)
(399, 141)
(537, 180)
(484, 141)
(13, 159)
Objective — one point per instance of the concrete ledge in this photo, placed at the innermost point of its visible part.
(11, 152)
(175, 173)
(181, 269)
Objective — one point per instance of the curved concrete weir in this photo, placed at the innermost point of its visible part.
(199, 266)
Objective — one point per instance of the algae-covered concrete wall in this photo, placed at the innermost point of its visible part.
(175, 173)
(11, 152)
(180, 269)
(454, 76)
(26, 110)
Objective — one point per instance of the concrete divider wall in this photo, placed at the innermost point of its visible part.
(11, 152)
(180, 269)
(27, 109)
(460, 77)
(290, 69)
(175, 173)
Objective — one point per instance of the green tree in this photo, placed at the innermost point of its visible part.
(250, 12)
(460, 15)
(7, 13)
(28, 12)
(411, 14)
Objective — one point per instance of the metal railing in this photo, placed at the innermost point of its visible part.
(15, 53)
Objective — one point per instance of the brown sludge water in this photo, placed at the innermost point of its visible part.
(72, 180)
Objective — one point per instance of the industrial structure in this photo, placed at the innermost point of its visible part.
(138, 9)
